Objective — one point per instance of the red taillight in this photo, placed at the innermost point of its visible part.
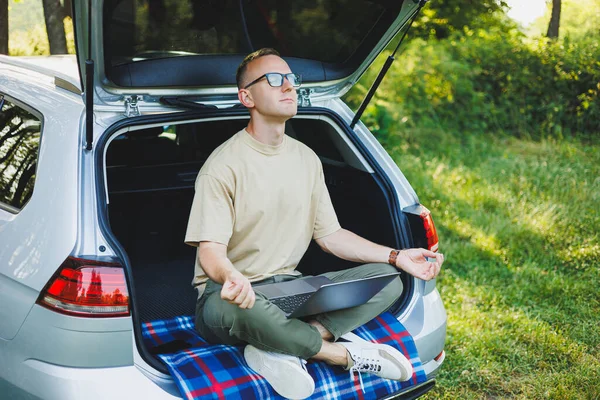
(87, 288)
(440, 357)
(430, 231)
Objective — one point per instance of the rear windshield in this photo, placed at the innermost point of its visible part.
(330, 31)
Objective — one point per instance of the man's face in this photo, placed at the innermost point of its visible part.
(271, 102)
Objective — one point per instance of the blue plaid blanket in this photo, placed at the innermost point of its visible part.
(204, 371)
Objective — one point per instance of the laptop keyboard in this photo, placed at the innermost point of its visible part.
(290, 303)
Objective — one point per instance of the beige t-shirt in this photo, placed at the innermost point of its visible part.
(264, 202)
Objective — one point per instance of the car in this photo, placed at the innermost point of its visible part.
(98, 157)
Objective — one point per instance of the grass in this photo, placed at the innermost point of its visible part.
(519, 224)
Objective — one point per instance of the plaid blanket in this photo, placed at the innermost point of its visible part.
(204, 371)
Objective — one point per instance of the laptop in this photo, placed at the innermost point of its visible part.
(318, 294)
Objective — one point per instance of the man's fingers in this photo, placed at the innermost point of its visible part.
(429, 271)
(438, 263)
(230, 291)
(239, 299)
(428, 253)
(244, 298)
(249, 300)
(253, 300)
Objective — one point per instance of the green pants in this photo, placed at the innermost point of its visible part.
(266, 327)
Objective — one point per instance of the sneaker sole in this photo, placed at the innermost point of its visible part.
(396, 357)
(287, 379)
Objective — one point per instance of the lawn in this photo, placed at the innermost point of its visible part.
(519, 224)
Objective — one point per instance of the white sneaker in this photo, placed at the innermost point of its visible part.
(286, 374)
(379, 359)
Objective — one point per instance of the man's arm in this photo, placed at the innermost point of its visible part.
(236, 287)
(349, 246)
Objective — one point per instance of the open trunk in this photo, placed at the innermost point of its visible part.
(150, 179)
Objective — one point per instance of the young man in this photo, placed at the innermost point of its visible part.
(260, 199)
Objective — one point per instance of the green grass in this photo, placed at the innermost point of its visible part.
(519, 224)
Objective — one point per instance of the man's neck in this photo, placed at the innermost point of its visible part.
(266, 132)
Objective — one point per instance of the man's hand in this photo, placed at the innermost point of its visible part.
(237, 290)
(414, 262)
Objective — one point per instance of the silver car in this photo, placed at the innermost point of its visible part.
(98, 157)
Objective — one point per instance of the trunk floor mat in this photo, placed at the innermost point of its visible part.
(202, 370)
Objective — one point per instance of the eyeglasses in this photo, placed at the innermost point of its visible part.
(275, 79)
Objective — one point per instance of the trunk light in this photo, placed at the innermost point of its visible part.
(430, 231)
(87, 288)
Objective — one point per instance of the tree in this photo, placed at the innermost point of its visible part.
(440, 18)
(554, 20)
(3, 26)
(54, 16)
(68, 8)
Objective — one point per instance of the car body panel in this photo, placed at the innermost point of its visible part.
(41, 380)
(425, 319)
(63, 68)
(49, 217)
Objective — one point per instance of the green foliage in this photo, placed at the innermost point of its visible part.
(519, 227)
(27, 30)
(490, 81)
(33, 42)
(441, 18)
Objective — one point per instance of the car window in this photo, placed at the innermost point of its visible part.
(20, 133)
(136, 30)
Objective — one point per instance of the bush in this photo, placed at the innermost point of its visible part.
(34, 42)
(491, 81)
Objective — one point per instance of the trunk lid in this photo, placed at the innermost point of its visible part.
(146, 49)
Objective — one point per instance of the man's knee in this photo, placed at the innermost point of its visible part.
(393, 290)
(222, 314)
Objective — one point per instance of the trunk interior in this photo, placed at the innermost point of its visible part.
(151, 174)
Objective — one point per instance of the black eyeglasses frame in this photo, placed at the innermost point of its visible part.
(297, 78)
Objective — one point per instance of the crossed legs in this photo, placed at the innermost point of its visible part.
(266, 327)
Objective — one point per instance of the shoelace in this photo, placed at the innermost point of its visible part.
(303, 363)
(364, 365)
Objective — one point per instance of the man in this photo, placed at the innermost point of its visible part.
(260, 199)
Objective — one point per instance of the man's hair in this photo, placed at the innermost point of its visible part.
(240, 75)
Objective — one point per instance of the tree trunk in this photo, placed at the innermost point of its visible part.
(54, 15)
(3, 26)
(68, 8)
(555, 20)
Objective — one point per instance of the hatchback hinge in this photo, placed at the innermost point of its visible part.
(131, 106)
(304, 97)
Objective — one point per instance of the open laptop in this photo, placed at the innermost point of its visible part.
(318, 294)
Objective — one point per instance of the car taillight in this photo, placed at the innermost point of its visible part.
(87, 288)
(430, 231)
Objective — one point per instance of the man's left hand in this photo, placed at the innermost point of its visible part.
(414, 262)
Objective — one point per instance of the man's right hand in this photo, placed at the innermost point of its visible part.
(237, 290)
